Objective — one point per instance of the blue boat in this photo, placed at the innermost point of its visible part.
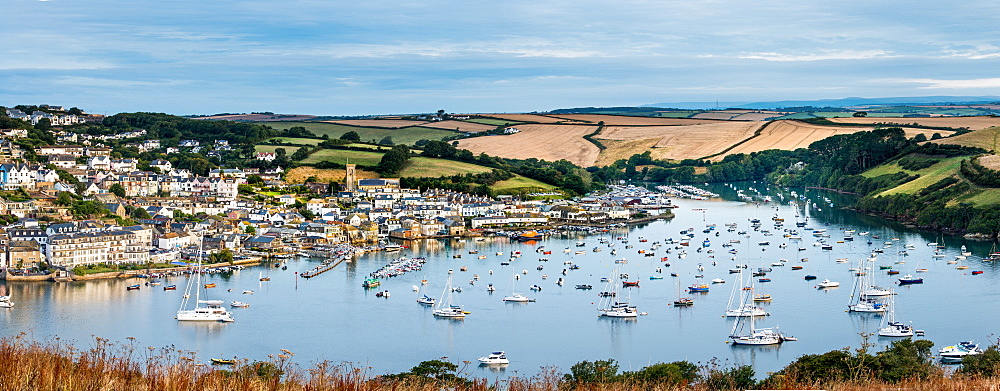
(908, 279)
(810, 277)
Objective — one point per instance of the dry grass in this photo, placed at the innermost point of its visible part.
(460, 126)
(988, 139)
(379, 123)
(990, 161)
(541, 141)
(681, 142)
(762, 116)
(625, 120)
(299, 174)
(951, 122)
(29, 365)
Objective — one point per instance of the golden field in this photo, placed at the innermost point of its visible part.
(988, 139)
(460, 126)
(973, 123)
(378, 123)
(541, 141)
(679, 142)
(625, 120)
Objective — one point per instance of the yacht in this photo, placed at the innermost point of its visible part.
(495, 358)
(827, 284)
(426, 300)
(5, 302)
(955, 353)
(204, 310)
(892, 327)
(444, 308)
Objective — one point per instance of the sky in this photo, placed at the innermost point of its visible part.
(332, 57)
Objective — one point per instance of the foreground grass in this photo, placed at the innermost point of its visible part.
(105, 365)
(928, 176)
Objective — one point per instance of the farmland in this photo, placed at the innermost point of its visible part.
(973, 123)
(378, 123)
(541, 141)
(678, 142)
(300, 174)
(461, 126)
(624, 120)
(790, 135)
(527, 118)
(988, 139)
(344, 156)
(407, 135)
(430, 167)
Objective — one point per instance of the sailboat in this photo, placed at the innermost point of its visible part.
(892, 327)
(868, 287)
(204, 310)
(755, 336)
(610, 308)
(859, 302)
(444, 308)
(682, 301)
(745, 302)
(514, 296)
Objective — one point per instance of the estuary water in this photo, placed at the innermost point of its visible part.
(331, 317)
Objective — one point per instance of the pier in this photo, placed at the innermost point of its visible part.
(323, 268)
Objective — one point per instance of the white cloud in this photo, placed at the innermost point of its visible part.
(993, 82)
(821, 56)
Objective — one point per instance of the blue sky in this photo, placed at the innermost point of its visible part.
(412, 56)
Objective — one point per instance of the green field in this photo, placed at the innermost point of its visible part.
(295, 140)
(676, 114)
(406, 136)
(928, 176)
(984, 197)
(520, 184)
(430, 167)
(802, 115)
(885, 169)
(343, 156)
(493, 121)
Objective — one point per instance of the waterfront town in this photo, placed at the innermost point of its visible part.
(161, 217)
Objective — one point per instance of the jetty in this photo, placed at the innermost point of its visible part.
(323, 267)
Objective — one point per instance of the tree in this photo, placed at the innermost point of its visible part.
(64, 199)
(351, 136)
(600, 371)
(387, 140)
(140, 213)
(44, 124)
(301, 153)
(255, 180)
(250, 230)
(118, 190)
(441, 113)
(860, 114)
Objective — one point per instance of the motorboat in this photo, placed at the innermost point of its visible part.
(5, 302)
(718, 281)
(518, 298)
(132, 288)
(426, 300)
(584, 286)
(239, 304)
(495, 358)
(955, 353)
(827, 284)
(762, 297)
(910, 279)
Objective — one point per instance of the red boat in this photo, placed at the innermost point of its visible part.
(977, 272)
(630, 283)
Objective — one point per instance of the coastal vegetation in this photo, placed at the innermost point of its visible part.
(129, 365)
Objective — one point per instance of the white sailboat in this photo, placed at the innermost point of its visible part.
(892, 327)
(515, 297)
(444, 308)
(859, 302)
(204, 310)
(755, 336)
(742, 305)
(611, 308)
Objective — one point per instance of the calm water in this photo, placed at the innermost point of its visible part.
(331, 317)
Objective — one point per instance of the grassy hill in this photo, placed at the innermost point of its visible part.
(407, 135)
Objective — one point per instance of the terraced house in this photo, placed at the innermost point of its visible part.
(87, 248)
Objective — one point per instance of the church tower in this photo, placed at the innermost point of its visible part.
(351, 179)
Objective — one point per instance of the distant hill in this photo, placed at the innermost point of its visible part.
(843, 102)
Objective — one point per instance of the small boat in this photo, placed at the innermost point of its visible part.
(132, 287)
(170, 288)
(247, 292)
(977, 272)
(764, 280)
(239, 304)
(909, 279)
(810, 277)
(684, 302)
(796, 267)
(762, 297)
(630, 283)
(370, 283)
(655, 277)
(206, 286)
(827, 284)
(892, 272)
(584, 286)
(718, 281)
(495, 358)
(698, 288)
(223, 361)
(426, 300)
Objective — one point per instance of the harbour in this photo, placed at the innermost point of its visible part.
(331, 317)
